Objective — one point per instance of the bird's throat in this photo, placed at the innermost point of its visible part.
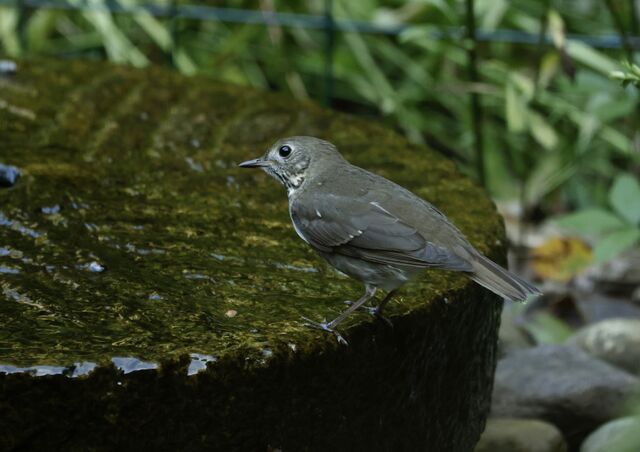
(294, 183)
(290, 181)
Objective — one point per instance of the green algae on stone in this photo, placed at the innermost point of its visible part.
(132, 234)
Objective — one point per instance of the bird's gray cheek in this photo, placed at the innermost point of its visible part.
(302, 165)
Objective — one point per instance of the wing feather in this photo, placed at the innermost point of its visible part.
(363, 229)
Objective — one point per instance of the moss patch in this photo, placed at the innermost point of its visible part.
(132, 233)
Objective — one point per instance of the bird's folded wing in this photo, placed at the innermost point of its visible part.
(364, 229)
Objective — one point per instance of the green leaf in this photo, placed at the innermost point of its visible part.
(632, 76)
(625, 198)
(525, 85)
(9, 38)
(547, 174)
(542, 131)
(491, 12)
(548, 68)
(516, 110)
(588, 56)
(619, 141)
(556, 28)
(591, 221)
(616, 243)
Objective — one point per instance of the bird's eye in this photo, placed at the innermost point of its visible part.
(284, 151)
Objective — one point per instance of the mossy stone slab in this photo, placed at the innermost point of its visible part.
(151, 291)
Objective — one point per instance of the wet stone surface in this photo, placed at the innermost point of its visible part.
(133, 243)
(9, 175)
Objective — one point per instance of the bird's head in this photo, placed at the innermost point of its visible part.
(295, 159)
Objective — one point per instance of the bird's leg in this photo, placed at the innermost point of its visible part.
(369, 293)
(377, 310)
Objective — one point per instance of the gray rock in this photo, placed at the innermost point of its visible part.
(621, 435)
(596, 306)
(617, 276)
(560, 384)
(616, 341)
(520, 435)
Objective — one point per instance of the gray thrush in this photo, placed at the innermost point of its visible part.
(370, 228)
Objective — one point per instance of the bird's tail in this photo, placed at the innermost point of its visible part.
(500, 281)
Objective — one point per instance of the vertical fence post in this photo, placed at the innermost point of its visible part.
(476, 108)
(329, 45)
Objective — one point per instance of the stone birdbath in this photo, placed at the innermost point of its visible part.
(151, 291)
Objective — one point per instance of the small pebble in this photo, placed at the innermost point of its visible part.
(51, 210)
(95, 267)
(193, 165)
(8, 67)
(231, 313)
(8, 270)
(9, 175)
(15, 254)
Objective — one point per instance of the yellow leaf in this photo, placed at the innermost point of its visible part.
(561, 258)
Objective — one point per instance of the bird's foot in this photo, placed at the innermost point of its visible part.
(324, 326)
(374, 312)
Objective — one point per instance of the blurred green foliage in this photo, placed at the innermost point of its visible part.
(618, 228)
(630, 74)
(557, 128)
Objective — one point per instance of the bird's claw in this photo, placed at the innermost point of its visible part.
(378, 315)
(324, 327)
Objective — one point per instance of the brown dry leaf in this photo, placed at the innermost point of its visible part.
(561, 258)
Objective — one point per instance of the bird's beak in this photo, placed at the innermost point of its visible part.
(255, 163)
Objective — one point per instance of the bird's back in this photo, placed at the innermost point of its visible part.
(366, 187)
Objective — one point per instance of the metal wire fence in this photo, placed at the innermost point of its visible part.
(326, 22)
